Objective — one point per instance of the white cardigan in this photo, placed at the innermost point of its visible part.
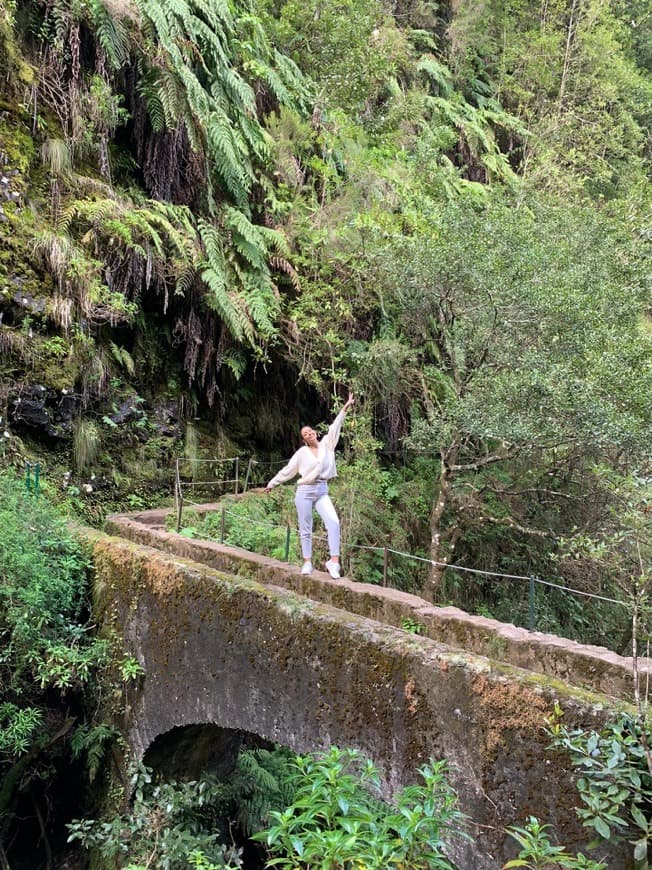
(311, 467)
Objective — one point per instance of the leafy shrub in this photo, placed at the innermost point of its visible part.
(42, 592)
(48, 662)
(338, 817)
(169, 826)
(614, 781)
(538, 853)
(257, 524)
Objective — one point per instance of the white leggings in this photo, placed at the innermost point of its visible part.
(315, 495)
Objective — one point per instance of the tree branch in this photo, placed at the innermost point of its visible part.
(481, 463)
(536, 490)
(512, 524)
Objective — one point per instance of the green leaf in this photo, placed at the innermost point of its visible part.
(602, 828)
(639, 818)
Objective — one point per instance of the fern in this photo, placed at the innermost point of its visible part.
(437, 73)
(219, 300)
(149, 92)
(226, 156)
(123, 358)
(111, 33)
(92, 743)
(197, 81)
(262, 783)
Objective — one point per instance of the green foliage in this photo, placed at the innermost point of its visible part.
(255, 524)
(614, 779)
(538, 853)
(130, 669)
(90, 742)
(215, 99)
(18, 726)
(261, 782)
(567, 70)
(41, 596)
(332, 42)
(49, 659)
(408, 623)
(170, 825)
(337, 818)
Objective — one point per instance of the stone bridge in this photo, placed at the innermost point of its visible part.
(230, 639)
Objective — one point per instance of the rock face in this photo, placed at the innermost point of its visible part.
(230, 652)
(47, 412)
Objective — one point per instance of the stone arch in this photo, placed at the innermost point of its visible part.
(225, 649)
(186, 751)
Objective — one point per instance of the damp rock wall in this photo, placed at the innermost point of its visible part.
(226, 649)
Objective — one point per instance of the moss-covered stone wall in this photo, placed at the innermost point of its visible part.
(229, 650)
(581, 665)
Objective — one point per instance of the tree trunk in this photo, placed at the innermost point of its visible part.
(570, 41)
(439, 554)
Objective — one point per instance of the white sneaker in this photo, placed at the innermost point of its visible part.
(333, 569)
(306, 568)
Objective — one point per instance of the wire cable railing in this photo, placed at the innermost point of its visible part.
(253, 478)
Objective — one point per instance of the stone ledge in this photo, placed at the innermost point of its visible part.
(595, 669)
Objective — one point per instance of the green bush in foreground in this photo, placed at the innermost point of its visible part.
(337, 818)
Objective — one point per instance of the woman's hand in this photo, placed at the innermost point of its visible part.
(349, 402)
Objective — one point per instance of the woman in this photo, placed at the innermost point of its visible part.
(315, 462)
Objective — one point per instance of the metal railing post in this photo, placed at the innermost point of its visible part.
(385, 562)
(237, 470)
(178, 496)
(287, 544)
(223, 525)
(247, 475)
(531, 603)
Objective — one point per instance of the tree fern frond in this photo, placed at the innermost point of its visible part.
(235, 361)
(237, 90)
(212, 243)
(227, 157)
(212, 42)
(137, 221)
(274, 240)
(296, 83)
(247, 238)
(155, 109)
(283, 265)
(258, 141)
(185, 280)
(262, 305)
(424, 39)
(92, 211)
(220, 301)
(217, 12)
(438, 73)
(111, 33)
(117, 228)
(123, 357)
